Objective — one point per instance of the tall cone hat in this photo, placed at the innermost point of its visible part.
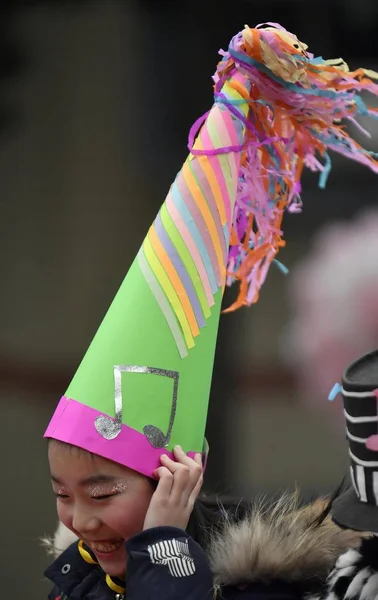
(143, 385)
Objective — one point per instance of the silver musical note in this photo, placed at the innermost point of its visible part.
(110, 428)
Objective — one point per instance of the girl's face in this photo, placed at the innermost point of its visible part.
(102, 502)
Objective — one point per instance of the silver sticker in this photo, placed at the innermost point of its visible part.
(110, 428)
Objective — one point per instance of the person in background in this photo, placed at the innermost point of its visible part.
(355, 574)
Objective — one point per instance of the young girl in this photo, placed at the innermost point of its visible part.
(124, 522)
(124, 486)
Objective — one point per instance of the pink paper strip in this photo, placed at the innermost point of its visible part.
(229, 121)
(185, 234)
(216, 166)
(73, 423)
(224, 131)
(190, 202)
(208, 193)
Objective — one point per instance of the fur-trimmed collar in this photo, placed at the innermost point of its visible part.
(284, 542)
(57, 544)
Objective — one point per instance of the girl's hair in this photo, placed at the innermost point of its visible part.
(209, 514)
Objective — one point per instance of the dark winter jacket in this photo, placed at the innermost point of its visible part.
(284, 554)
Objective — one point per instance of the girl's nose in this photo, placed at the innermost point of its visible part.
(83, 521)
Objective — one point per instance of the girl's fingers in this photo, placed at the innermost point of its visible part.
(198, 459)
(181, 459)
(184, 458)
(196, 490)
(165, 478)
(181, 486)
(186, 472)
(179, 483)
(181, 480)
(170, 464)
(195, 467)
(196, 479)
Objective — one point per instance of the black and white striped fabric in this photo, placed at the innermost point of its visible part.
(175, 555)
(355, 576)
(361, 414)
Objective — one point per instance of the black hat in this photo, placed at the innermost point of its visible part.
(357, 507)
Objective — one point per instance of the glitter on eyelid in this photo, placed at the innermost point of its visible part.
(106, 490)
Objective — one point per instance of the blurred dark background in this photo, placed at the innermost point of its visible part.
(96, 102)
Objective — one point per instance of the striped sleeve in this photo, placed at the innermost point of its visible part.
(174, 555)
(164, 563)
(355, 575)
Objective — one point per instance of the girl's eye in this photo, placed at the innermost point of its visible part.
(61, 496)
(103, 496)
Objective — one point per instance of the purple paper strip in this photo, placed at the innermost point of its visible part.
(203, 183)
(186, 194)
(180, 270)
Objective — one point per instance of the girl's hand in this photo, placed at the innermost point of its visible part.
(179, 485)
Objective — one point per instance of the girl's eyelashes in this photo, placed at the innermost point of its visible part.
(104, 496)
